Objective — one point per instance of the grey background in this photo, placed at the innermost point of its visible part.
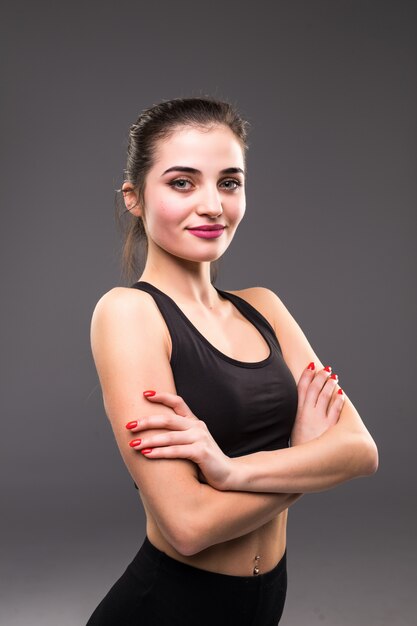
(329, 88)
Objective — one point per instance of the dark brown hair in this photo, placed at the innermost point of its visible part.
(153, 124)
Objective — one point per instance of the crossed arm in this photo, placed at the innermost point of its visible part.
(130, 355)
(341, 448)
(193, 515)
(329, 442)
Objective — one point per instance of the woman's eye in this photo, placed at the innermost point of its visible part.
(179, 183)
(173, 183)
(232, 180)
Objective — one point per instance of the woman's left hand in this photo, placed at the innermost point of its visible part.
(189, 438)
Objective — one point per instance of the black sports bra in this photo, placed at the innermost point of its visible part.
(247, 406)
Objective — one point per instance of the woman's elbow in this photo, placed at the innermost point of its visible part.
(369, 458)
(373, 457)
(186, 544)
(186, 526)
(185, 537)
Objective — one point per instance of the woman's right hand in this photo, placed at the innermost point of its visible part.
(319, 404)
(186, 437)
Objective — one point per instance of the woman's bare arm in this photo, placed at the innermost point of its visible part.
(131, 355)
(338, 455)
(345, 451)
(330, 442)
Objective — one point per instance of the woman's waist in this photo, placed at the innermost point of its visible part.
(255, 553)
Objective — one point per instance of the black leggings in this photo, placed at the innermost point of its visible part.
(157, 590)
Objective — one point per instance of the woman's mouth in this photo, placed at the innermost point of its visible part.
(207, 232)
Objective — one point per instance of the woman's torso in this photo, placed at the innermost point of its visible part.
(233, 348)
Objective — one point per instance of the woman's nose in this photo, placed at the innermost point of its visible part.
(213, 211)
(210, 204)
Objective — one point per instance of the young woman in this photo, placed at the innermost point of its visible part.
(205, 389)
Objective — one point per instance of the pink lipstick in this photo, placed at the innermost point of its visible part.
(207, 232)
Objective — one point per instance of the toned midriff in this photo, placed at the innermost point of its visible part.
(236, 557)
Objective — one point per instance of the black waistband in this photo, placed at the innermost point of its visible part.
(178, 568)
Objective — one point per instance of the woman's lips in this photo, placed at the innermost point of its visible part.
(206, 234)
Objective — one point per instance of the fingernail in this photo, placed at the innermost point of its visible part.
(340, 391)
(311, 366)
(135, 442)
(146, 450)
(149, 393)
(333, 376)
(328, 368)
(132, 424)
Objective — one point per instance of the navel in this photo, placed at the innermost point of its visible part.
(256, 566)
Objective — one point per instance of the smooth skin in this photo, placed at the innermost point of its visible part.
(216, 528)
(319, 408)
(188, 437)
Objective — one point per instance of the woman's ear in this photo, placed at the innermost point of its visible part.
(131, 199)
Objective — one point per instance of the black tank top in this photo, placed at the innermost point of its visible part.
(247, 407)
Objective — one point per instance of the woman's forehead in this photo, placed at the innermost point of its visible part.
(195, 144)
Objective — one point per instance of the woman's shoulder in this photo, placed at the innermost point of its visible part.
(125, 304)
(123, 298)
(253, 292)
(263, 299)
(129, 311)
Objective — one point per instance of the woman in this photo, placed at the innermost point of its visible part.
(200, 387)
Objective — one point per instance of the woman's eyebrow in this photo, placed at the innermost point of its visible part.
(192, 170)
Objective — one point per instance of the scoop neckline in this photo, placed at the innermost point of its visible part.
(238, 305)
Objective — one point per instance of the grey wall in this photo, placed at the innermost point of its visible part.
(329, 87)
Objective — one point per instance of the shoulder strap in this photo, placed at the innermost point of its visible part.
(253, 314)
(167, 310)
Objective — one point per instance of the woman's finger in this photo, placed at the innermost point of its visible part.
(305, 379)
(172, 400)
(336, 407)
(161, 440)
(148, 422)
(316, 386)
(326, 393)
(171, 452)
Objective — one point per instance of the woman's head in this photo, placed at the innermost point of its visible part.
(149, 135)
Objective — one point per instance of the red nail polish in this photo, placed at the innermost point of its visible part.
(311, 366)
(149, 393)
(340, 391)
(135, 442)
(333, 376)
(328, 368)
(146, 450)
(132, 424)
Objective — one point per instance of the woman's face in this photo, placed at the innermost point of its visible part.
(176, 201)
